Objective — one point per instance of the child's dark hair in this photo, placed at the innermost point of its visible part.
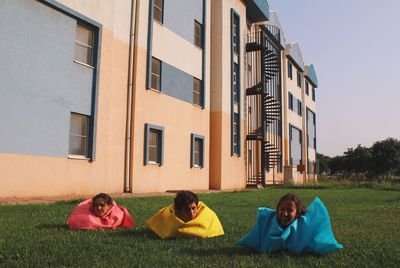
(104, 196)
(184, 198)
(293, 198)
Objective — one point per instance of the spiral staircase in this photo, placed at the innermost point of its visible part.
(264, 130)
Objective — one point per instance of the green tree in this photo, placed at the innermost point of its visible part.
(337, 165)
(323, 163)
(385, 156)
(357, 162)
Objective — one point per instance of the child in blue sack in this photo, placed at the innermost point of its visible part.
(292, 227)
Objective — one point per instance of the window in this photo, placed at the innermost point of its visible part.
(235, 83)
(299, 108)
(153, 143)
(236, 134)
(158, 10)
(197, 92)
(84, 45)
(290, 101)
(310, 122)
(197, 151)
(307, 88)
(290, 70)
(235, 110)
(235, 34)
(295, 145)
(156, 74)
(313, 94)
(298, 79)
(78, 135)
(198, 34)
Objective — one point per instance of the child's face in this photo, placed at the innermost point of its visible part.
(287, 212)
(100, 207)
(188, 213)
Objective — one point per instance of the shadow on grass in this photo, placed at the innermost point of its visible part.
(53, 226)
(137, 233)
(240, 251)
(69, 202)
(227, 251)
(303, 186)
(393, 200)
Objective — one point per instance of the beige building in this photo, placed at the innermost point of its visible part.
(151, 96)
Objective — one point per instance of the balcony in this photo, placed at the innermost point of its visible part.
(257, 10)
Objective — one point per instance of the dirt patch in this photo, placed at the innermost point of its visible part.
(53, 199)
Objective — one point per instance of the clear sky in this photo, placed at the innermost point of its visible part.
(355, 48)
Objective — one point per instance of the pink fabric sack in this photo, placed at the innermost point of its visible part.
(83, 217)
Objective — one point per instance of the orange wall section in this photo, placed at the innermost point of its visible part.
(179, 119)
(228, 172)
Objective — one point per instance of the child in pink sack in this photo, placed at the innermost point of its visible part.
(99, 212)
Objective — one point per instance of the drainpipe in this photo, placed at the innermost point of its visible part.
(131, 98)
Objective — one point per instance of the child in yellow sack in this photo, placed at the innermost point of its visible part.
(187, 217)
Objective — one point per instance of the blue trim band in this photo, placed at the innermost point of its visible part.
(203, 83)
(149, 44)
(97, 29)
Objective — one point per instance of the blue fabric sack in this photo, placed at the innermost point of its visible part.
(310, 233)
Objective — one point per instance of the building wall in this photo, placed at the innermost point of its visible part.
(172, 108)
(292, 119)
(41, 85)
(227, 170)
(34, 157)
(311, 153)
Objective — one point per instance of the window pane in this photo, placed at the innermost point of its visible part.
(153, 154)
(153, 138)
(290, 70)
(155, 67)
(196, 159)
(196, 98)
(311, 129)
(295, 146)
(84, 35)
(156, 74)
(84, 45)
(158, 3)
(157, 15)
(307, 89)
(83, 54)
(235, 83)
(155, 82)
(77, 145)
(197, 34)
(157, 10)
(235, 37)
(78, 125)
(196, 91)
(236, 133)
(198, 152)
(78, 135)
(153, 145)
(298, 79)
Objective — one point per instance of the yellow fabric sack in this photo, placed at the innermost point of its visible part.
(166, 224)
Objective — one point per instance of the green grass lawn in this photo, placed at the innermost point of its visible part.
(365, 221)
